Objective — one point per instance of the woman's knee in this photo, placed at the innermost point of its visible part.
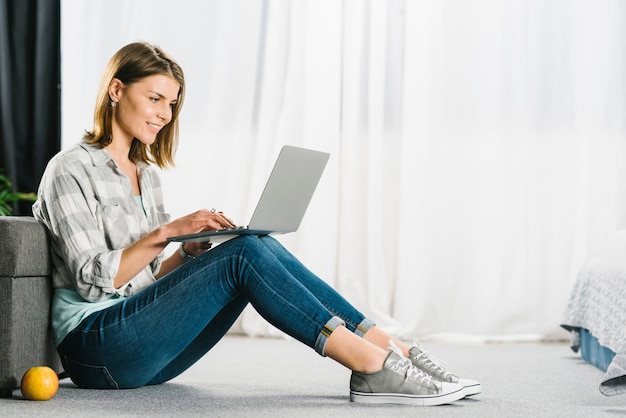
(240, 244)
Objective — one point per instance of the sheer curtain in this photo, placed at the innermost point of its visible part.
(477, 146)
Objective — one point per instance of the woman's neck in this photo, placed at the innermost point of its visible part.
(119, 152)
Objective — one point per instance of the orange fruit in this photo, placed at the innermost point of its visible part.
(39, 383)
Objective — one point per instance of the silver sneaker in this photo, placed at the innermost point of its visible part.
(423, 361)
(400, 382)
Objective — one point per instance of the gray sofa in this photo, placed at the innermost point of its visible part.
(25, 294)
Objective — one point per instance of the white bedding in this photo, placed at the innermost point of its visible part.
(598, 303)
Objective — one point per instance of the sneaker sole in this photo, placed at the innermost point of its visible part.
(472, 390)
(399, 398)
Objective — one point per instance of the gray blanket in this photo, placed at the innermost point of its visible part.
(598, 303)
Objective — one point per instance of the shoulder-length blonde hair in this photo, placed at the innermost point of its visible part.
(131, 64)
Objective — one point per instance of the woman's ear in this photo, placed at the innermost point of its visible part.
(115, 88)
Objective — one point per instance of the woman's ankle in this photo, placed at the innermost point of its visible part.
(354, 352)
(380, 338)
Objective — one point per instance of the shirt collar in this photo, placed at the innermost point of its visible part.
(99, 156)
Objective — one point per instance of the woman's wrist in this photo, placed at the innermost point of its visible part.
(184, 254)
(158, 236)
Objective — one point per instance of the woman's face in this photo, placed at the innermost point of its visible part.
(143, 108)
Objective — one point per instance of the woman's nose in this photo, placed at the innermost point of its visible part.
(165, 113)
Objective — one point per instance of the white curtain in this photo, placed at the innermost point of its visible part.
(477, 146)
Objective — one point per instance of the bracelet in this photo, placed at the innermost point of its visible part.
(184, 254)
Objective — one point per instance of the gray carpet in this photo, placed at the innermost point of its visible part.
(263, 377)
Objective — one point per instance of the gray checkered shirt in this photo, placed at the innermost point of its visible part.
(88, 206)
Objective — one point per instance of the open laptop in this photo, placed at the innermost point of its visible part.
(284, 200)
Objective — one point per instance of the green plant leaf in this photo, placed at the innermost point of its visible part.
(5, 209)
(7, 196)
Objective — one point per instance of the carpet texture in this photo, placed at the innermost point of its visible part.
(276, 377)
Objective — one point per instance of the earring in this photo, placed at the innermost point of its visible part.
(113, 104)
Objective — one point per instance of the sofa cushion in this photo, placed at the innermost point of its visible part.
(24, 250)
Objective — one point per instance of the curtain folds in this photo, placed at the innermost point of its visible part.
(30, 104)
(477, 147)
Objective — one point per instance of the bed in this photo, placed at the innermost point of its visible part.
(596, 315)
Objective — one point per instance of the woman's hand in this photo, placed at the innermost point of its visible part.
(202, 220)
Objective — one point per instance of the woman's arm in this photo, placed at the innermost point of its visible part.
(137, 256)
(141, 253)
(96, 229)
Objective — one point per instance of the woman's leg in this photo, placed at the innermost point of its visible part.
(209, 336)
(329, 297)
(155, 334)
(135, 342)
(332, 299)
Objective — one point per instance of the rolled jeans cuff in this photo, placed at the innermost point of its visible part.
(364, 326)
(322, 338)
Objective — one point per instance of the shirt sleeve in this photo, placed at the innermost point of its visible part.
(68, 206)
(154, 207)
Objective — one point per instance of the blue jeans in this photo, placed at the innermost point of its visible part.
(155, 335)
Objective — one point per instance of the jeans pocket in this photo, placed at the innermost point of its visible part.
(87, 376)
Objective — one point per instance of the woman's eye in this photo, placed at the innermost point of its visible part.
(154, 99)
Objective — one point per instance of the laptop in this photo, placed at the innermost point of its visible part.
(284, 200)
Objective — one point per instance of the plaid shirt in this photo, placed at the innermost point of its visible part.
(87, 204)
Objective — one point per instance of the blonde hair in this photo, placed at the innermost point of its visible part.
(131, 64)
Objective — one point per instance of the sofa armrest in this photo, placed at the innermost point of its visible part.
(24, 247)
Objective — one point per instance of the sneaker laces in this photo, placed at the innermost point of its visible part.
(407, 368)
(431, 363)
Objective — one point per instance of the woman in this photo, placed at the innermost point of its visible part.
(124, 316)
